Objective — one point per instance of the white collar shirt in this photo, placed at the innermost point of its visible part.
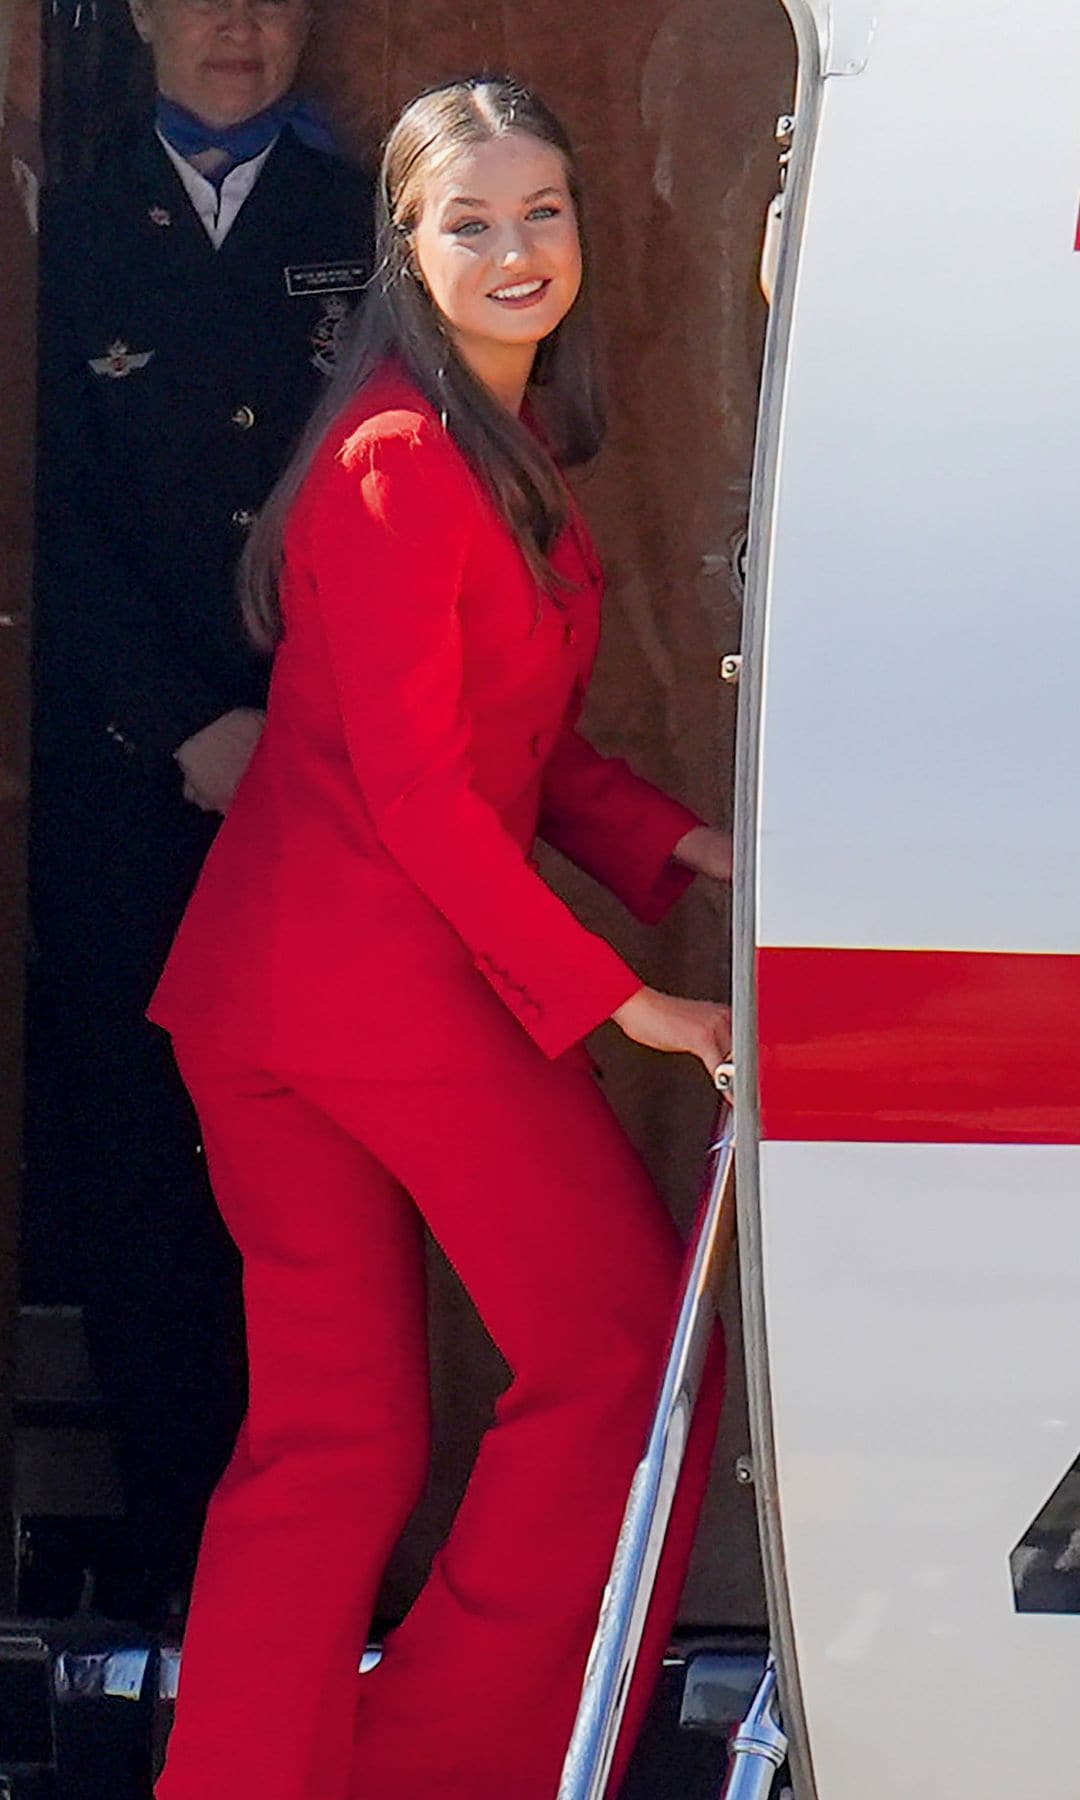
(218, 209)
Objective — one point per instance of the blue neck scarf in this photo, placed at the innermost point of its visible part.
(189, 135)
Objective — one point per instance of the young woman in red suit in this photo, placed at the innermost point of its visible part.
(378, 1006)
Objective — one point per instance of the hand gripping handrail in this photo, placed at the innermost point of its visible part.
(641, 1539)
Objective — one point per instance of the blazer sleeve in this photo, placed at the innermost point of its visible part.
(389, 528)
(97, 631)
(615, 825)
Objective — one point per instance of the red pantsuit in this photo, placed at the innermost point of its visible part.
(376, 1004)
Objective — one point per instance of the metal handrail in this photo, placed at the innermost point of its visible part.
(641, 1539)
(759, 1747)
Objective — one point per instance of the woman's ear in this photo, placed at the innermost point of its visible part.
(140, 18)
(407, 238)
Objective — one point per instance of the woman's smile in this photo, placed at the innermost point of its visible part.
(520, 293)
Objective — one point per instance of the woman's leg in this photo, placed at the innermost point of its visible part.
(535, 1195)
(331, 1457)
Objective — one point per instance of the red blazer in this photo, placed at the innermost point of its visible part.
(369, 905)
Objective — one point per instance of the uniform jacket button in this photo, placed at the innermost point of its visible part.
(243, 418)
(118, 738)
(242, 519)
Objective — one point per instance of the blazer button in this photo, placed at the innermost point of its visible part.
(243, 418)
(536, 744)
(243, 519)
(570, 634)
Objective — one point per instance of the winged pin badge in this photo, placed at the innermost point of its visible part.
(118, 361)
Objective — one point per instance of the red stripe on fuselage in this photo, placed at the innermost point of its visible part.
(919, 1046)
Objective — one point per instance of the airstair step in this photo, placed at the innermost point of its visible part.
(85, 1710)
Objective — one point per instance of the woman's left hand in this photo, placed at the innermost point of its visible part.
(707, 850)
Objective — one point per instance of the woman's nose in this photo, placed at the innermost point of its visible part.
(237, 18)
(513, 249)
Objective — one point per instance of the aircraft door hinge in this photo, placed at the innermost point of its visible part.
(850, 29)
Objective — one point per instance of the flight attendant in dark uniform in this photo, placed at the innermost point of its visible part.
(378, 1005)
(193, 294)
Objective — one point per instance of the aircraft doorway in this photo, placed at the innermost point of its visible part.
(682, 160)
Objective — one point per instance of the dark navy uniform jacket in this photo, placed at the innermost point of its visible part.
(175, 378)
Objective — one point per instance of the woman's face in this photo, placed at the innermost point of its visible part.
(497, 247)
(225, 60)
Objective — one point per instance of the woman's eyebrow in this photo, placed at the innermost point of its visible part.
(472, 200)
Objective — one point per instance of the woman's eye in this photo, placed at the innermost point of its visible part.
(468, 228)
(545, 212)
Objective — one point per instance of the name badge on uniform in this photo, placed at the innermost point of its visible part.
(304, 279)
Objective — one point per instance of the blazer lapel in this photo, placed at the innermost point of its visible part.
(168, 214)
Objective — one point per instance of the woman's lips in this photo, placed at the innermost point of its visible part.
(519, 294)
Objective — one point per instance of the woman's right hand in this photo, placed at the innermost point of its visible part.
(700, 1028)
(214, 761)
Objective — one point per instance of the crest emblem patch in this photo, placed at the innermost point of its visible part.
(326, 337)
(119, 361)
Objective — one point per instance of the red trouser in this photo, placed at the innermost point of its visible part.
(532, 1190)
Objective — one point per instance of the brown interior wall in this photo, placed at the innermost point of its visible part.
(19, 171)
(672, 103)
